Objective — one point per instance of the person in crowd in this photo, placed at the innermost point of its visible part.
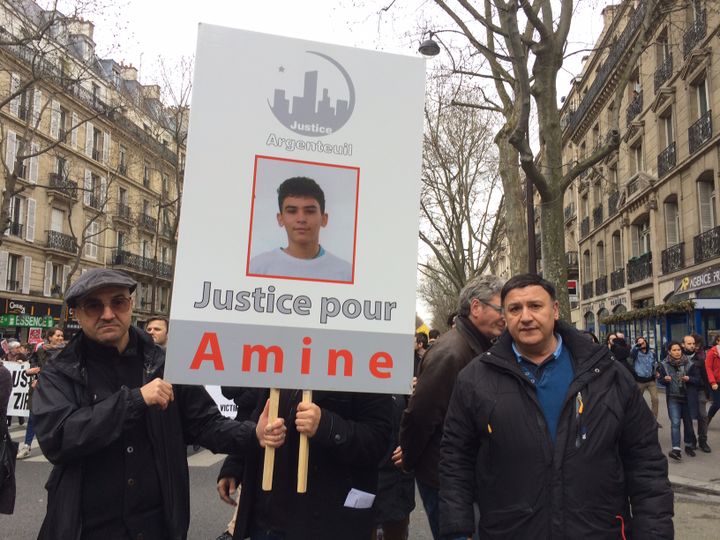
(590, 336)
(550, 436)
(421, 346)
(17, 354)
(643, 364)
(451, 319)
(712, 368)
(674, 373)
(478, 323)
(348, 434)
(432, 336)
(7, 479)
(610, 339)
(51, 347)
(158, 328)
(698, 392)
(116, 432)
(621, 350)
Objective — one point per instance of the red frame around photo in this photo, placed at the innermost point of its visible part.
(252, 216)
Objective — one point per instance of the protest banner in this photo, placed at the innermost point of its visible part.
(18, 404)
(262, 298)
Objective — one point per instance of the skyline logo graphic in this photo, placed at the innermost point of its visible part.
(311, 114)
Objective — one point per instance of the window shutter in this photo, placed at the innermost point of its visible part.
(138, 292)
(66, 272)
(705, 206)
(88, 138)
(47, 282)
(74, 127)
(87, 186)
(30, 222)
(3, 270)
(106, 147)
(671, 224)
(27, 268)
(37, 104)
(34, 163)
(10, 150)
(55, 120)
(103, 194)
(14, 86)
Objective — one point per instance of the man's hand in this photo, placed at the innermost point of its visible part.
(157, 392)
(685, 378)
(307, 418)
(270, 434)
(397, 457)
(714, 386)
(226, 488)
(668, 378)
(32, 371)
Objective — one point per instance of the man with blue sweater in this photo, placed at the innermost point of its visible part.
(644, 368)
(550, 436)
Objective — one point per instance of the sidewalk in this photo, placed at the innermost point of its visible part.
(700, 473)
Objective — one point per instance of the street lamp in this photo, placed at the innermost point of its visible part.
(429, 47)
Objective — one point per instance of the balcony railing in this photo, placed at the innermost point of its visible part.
(587, 290)
(61, 242)
(695, 34)
(613, 203)
(601, 284)
(666, 160)
(598, 215)
(96, 154)
(13, 285)
(164, 269)
(639, 268)
(700, 132)
(15, 229)
(585, 227)
(617, 279)
(635, 107)
(707, 245)
(673, 258)
(141, 264)
(63, 186)
(569, 211)
(148, 222)
(122, 169)
(663, 72)
(123, 212)
(619, 49)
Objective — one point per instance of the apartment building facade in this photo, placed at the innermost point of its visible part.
(642, 225)
(92, 165)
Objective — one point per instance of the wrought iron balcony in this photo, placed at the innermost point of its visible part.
(598, 215)
(617, 279)
(695, 34)
(700, 132)
(613, 203)
(571, 257)
(601, 285)
(61, 242)
(147, 222)
(569, 211)
(585, 227)
(122, 169)
(639, 268)
(673, 258)
(164, 270)
(635, 107)
(62, 186)
(707, 245)
(663, 72)
(666, 160)
(587, 290)
(130, 260)
(15, 229)
(123, 212)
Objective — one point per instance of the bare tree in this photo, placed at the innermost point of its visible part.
(460, 198)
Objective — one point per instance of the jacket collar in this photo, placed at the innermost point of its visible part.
(477, 341)
(71, 360)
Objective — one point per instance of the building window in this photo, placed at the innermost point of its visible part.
(672, 223)
(14, 272)
(637, 163)
(146, 175)
(640, 232)
(702, 98)
(123, 160)
(57, 219)
(706, 205)
(667, 135)
(618, 262)
(587, 267)
(600, 259)
(120, 241)
(92, 237)
(17, 216)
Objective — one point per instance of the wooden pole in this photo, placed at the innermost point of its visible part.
(304, 452)
(269, 464)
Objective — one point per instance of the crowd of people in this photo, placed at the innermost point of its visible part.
(517, 427)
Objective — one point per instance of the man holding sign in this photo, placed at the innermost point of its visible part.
(116, 431)
(349, 434)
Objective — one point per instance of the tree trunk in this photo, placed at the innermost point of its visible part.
(553, 250)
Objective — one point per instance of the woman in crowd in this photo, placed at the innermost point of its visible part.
(712, 367)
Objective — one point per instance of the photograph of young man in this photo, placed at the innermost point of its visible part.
(301, 205)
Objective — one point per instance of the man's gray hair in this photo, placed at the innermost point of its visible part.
(482, 288)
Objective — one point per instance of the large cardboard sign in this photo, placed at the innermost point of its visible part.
(297, 246)
(18, 403)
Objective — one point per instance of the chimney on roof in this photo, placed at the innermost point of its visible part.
(151, 91)
(129, 73)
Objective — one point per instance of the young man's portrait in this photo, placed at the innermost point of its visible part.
(307, 249)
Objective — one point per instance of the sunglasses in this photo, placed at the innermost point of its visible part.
(95, 308)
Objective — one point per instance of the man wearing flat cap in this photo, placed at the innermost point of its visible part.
(116, 432)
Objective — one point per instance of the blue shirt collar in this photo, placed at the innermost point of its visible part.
(556, 354)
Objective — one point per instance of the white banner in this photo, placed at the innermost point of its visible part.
(18, 404)
(297, 251)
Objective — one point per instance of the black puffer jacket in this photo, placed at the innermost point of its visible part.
(69, 426)
(496, 446)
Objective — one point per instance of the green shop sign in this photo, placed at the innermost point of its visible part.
(45, 321)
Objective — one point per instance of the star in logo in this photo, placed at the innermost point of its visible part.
(281, 69)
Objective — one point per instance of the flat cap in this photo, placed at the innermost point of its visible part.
(97, 278)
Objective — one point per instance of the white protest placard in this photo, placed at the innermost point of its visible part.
(297, 246)
(18, 403)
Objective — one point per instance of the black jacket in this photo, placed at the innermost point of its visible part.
(354, 433)
(422, 423)
(497, 450)
(70, 426)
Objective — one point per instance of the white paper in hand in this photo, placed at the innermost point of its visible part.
(359, 499)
